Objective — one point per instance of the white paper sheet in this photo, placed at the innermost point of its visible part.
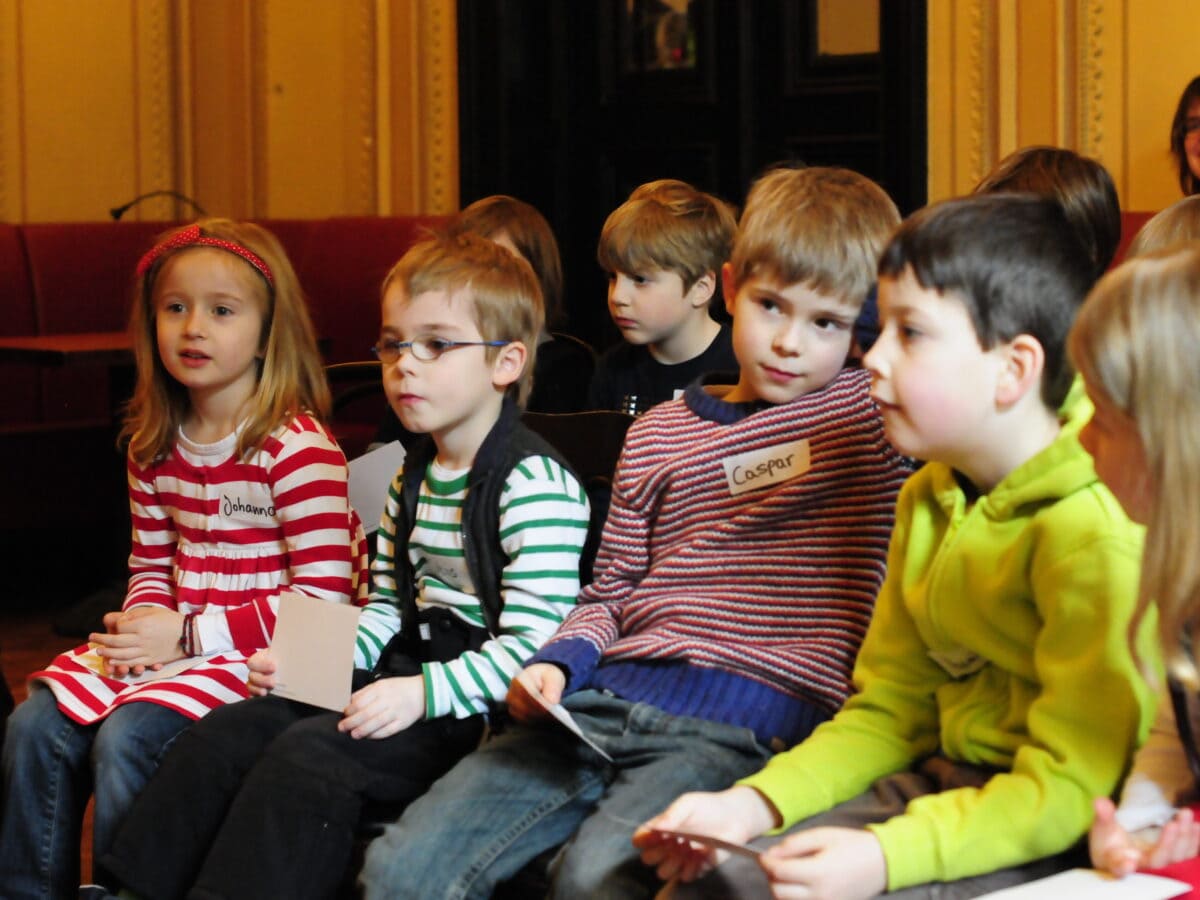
(370, 475)
(559, 713)
(99, 665)
(313, 646)
(1091, 883)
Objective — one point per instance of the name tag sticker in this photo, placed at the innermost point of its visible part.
(762, 468)
(254, 505)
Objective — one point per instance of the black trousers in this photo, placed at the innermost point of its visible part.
(263, 798)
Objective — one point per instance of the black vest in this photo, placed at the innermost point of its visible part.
(507, 444)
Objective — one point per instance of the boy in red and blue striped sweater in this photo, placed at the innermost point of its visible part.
(736, 575)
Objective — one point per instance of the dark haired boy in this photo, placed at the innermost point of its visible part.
(997, 692)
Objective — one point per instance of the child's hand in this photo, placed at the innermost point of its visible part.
(842, 863)
(1115, 850)
(546, 679)
(144, 636)
(737, 815)
(385, 707)
(262, 667)
(112, 620)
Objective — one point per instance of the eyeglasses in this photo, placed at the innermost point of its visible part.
(426, 349)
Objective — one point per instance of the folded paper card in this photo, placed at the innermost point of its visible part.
(370, 475)
(559, 713)
(708, 841)
(313, 646)
(98, 664)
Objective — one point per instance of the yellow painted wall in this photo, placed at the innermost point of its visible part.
(1163, 38)
(263, 108)
(1098, 76)
(313, 107)
(77, 139)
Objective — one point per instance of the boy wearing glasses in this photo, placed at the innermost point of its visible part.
(477, 563)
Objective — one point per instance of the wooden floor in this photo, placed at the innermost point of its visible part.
(27, 643)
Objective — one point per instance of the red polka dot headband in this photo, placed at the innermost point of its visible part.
(193, 237)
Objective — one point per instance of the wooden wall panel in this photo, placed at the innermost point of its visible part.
(419, 159)
(252, 107)
(217, 99)
(1161, 58)
(76, 117)
(318, 129)
(1099, 76)
(12, 186)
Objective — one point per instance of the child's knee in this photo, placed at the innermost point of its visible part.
(610, 868)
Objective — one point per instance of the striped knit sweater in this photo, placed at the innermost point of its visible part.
(744, 608)
(543, 524)
(221, 537)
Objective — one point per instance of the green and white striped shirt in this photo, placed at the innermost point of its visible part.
(543, 525)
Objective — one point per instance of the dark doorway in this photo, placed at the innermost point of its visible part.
(569, 104)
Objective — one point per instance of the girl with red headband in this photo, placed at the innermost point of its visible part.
(236, 492)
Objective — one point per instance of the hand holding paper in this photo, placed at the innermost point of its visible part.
(534, 690)
(689, 836)
(262, 673)
(530, 683)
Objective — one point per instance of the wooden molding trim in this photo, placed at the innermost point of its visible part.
(12, 193)
(439, 99)
(154, 130)
(361, 180)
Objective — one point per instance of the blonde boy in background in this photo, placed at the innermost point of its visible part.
(663, 249)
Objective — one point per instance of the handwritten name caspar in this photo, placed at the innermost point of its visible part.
(771, 465)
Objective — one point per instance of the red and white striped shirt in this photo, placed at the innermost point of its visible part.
(221, 536)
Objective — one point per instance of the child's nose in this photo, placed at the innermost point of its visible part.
(874, 359)
(789, 339)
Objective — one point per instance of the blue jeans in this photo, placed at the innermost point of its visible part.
(50, 765)
(532, 788)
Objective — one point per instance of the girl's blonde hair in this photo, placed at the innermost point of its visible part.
(291, 377)
(1136, 342)
(1177, 223)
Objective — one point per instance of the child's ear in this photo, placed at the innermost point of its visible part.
(729, 287)
(700, 293)
(1024, 360)
(509, 364)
